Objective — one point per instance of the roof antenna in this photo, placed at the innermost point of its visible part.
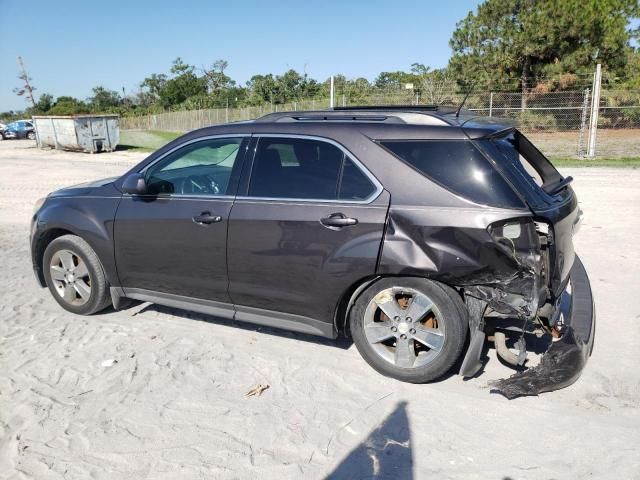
(465, 99)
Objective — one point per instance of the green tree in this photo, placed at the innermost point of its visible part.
(216, 78)
(525, 40)
(68, 106)
(153, 85)
(263, 89)
(434, 86)
(182, 85)
(42, 106)
(104, 100)
(632, 72)
(394, 79)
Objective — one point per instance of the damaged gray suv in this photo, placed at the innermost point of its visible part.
(420, 232)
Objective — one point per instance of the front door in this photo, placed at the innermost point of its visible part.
(308, 227)
(173, 240)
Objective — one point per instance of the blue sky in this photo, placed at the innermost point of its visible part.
(71, 46)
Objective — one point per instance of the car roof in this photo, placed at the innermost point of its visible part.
(377, 122)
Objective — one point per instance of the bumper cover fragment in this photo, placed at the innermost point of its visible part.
(565, 359)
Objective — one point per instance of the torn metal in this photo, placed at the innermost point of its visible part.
(500, 262)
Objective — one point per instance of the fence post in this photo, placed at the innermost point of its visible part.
(583, 124)
(595, 110)
(491, 104)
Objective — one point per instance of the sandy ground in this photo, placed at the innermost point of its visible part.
(158, 393)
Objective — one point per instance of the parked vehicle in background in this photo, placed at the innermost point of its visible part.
(418, 232)
(19, 129)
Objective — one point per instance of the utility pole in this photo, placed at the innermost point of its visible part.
(27, 89)
(331, 104)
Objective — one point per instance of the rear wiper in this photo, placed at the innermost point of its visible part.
(563, 183)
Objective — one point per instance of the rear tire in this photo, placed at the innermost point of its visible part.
(75, 276)
(31, 135)
(410, 329)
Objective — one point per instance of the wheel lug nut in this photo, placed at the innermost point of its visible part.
(394, 329)
(397, 319)
(403, 336)
(413, 331)
(409, 319)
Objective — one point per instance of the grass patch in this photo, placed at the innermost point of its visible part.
(145, 140)
(627, 162)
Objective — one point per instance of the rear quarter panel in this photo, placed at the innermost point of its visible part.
(451, 245)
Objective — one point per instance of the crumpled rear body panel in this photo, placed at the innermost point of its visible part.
(454, 246)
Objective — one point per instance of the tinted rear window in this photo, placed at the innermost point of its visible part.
(458, 166)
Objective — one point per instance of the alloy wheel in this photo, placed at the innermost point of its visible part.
(70, 276)
(401, 324)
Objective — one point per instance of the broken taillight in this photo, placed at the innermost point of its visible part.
(518, 234)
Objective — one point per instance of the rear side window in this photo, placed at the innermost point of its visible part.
(518, 150)
(458, 166)
(300, 168)
(354, 184)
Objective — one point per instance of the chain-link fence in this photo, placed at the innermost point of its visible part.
(558, 122)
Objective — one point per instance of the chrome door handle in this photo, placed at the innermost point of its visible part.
(338, 220)
(205, 218)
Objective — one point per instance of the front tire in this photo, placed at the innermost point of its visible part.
(410, 329)
(75, 275)
(31, 135)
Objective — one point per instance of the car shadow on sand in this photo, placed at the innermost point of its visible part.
(340, 342)
(385, 454)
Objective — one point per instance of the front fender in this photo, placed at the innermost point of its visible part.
(90, 218)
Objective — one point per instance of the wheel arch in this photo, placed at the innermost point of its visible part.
(40, 245)
(341, 317)
(90, 218)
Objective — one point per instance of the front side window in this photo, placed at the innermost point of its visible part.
(458, 166)
(300, 168)
(200, 168)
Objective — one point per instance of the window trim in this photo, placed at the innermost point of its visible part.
(144, 169)
(376, 183)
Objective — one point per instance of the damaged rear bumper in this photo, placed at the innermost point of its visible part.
(565, 359)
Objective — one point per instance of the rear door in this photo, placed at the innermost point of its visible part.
(173, 240)
(306, 226)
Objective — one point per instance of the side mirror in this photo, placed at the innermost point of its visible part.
(135, 184)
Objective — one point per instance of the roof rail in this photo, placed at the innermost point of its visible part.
(348, 114)
(442, 109)
(428, 108)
